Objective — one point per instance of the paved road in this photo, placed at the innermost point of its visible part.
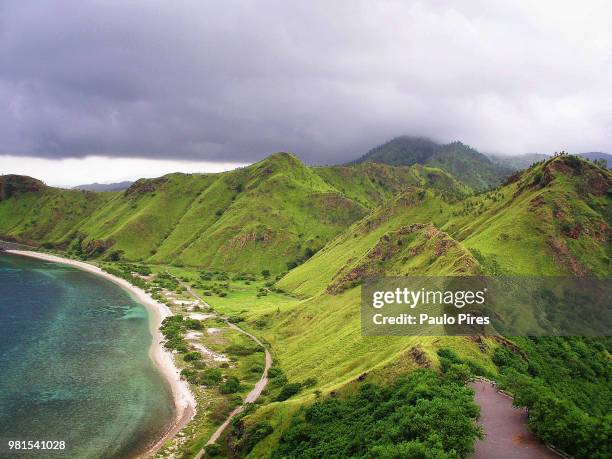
(505, 427)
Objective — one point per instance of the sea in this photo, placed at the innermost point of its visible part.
(75, 365)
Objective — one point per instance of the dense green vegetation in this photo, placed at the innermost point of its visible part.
(566, 384)
(469, 166)
(419, 415)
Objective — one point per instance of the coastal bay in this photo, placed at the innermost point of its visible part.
(83, 361)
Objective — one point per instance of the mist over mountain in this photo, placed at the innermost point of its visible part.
(518, 162)
(462, 161)
(596, 156)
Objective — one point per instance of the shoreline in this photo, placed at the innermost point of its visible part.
(184, 400)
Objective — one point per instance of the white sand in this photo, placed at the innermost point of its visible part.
(193, 335)
(209, 353)
(185, 302)
(200, 316)
(184, 400)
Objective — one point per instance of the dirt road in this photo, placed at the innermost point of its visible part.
(257, 389)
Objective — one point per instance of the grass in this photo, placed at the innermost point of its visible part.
(226, 228)
(264, 216)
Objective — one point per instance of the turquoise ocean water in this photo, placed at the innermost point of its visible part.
(74, 364)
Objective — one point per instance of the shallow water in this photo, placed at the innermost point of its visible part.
(74, 364)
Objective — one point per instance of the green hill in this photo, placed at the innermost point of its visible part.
(559, 209)
(466, 164)
(270, 215)
(34, 213)
(552, 219)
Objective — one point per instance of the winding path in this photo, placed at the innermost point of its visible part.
(257, 389)
(505, 428)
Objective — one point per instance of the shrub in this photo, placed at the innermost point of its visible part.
(310, 382)
(238, 349)
(198, 364)
(565, 401)
(274, 372)
(254, 435)
(230, 386)
(193, 324)
(191, 356)
(288, 391)
(503, 357)
(213, 450)
(256, 368)
(459, 373)
(211, 377)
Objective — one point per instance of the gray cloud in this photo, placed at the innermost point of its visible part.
(236, 80)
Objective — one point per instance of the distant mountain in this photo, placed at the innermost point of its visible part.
(595, 155)
(463, 162)
(518, 162)
(119, 186)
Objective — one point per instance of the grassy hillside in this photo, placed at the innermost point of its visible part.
(271, 215)
(559, 209)
(33, 213)
(364, 243)
(551, 219)
(466, 164)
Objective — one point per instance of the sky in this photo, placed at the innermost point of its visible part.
(200, 85)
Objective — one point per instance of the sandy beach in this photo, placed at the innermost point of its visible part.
(184, 400)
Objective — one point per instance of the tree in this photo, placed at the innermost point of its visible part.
(288, 390)
(421, 415)
(115, 255)
(459, 373)
(191, 356)
(230, 386)
(211, 377)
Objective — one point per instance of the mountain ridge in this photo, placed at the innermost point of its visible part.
(117, 186)
(272, 213)
(518, 162)
(463, 162)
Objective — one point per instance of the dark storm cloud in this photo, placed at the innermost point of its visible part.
(233, 81)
